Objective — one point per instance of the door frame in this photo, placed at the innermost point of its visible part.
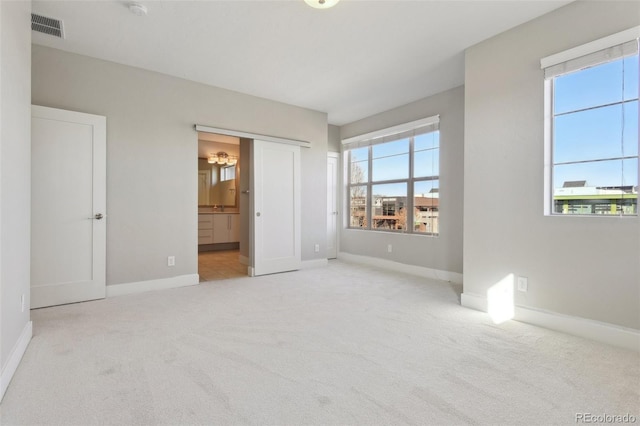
(333, 213)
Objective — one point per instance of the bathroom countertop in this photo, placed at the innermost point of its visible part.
(218, 212)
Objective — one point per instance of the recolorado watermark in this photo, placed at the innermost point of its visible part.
(605, 418)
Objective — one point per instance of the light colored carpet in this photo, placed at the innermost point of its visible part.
(343, 344)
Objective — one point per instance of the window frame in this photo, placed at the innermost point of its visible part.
(407, 131)
(225, 171)
(559, 59)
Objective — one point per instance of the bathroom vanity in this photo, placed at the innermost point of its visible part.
(218, 228)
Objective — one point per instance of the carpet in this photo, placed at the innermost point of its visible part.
(339, 345)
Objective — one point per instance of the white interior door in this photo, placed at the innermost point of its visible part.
(276, 208)
(68, 200)
(332, 205)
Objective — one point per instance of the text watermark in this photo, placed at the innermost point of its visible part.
(605, 418)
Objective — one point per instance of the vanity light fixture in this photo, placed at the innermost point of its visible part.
(321, 4)
(222, 158)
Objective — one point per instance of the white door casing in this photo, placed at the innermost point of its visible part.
(275, 211)
(332, 205)
(68, 214)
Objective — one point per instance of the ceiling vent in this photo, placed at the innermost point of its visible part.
(45, 25)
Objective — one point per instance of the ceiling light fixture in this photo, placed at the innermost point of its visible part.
(222, 158)
(138, 9)
(321, 4)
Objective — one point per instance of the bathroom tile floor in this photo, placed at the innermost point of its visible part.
(220, 265)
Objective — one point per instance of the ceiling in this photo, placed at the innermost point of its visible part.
(357, 59)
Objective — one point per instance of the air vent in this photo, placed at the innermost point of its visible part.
(45, 25)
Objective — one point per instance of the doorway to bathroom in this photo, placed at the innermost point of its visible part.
(219, 224)
(268, 202)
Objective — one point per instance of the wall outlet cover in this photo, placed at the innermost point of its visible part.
(523, 284)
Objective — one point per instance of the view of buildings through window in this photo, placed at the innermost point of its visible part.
(394, 185)
(595, 139)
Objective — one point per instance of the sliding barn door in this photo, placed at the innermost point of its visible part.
(276, 207)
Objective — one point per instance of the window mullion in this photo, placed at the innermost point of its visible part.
(369, 210)
(410, 199)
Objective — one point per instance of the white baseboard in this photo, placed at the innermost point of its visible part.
(15, 357)
(160, 284)
(611, 334)
(420, 271)
(474, 302)
(306, 264)
(315, 263)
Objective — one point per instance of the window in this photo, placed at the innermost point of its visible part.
(592, 134)
(227, 173)
(393, 179)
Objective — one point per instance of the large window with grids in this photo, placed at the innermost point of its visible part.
(393, 179)
(591, 96)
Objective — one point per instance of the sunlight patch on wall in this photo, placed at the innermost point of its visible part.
(500, 300)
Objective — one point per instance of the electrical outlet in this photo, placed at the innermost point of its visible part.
(171, 261)
(523, 284)
(22, 303)
(389, 248)
(317, 248)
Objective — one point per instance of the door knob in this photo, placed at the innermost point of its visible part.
(258, 214)
(98, 216)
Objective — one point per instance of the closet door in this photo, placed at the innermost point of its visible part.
(68, 203)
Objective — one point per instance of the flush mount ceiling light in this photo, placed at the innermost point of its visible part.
(138, 9)
(222, 158)
(321, 4)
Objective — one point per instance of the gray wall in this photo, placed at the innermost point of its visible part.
(15, 172)
(445, 251)
(152, 154)
(334, 142)
(584, 267)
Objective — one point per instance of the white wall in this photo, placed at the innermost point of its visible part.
(583, 267)
(15, 182)
(444, 252)
(152, 154)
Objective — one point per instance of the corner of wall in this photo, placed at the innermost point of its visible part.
(10, 367)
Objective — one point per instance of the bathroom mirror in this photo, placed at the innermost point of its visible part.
(216, 184)
(217, 176)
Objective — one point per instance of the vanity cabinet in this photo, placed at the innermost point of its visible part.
(215, 228)
(205, 229)
(226, 228)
